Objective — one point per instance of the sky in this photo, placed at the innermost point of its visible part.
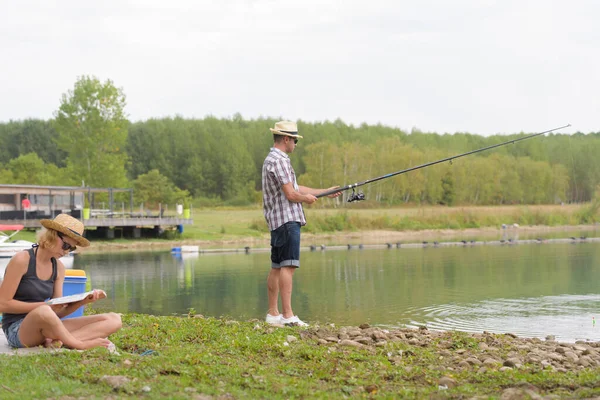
(478, 66)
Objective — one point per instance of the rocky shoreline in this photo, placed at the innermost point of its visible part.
(455, 353)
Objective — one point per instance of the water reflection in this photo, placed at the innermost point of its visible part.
(529, 290)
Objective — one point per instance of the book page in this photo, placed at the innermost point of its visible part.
(74, 297)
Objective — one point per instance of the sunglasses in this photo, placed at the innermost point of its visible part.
(65, 246)
(295, 141)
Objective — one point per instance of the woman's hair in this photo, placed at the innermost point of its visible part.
(46, 238)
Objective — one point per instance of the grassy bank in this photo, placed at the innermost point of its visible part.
(204, 358)
(234, 224)
(217, 223)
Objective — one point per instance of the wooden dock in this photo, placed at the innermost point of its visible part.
(125, 225)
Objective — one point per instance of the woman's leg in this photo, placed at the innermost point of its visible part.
(42, 323)
(93, 326)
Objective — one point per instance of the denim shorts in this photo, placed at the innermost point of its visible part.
(12, 334)
(285, 245)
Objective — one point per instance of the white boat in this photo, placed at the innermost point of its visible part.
(10, 248)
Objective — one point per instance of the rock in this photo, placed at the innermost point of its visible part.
(504, 369)
(331, 339)
(491, 362)
(364, 326)
(585, 361)
(354, 333)
(555, 357)
(322, 341)
(447, 381)
(204, 397)
(371, 389)
(378, 335)
(519, 394)
(115, 381)
(291, 338)
(395, 360)
(512, 362)
(473, 361)
(572, 357)
(550, 338)
(363, 340)
(532, 359)
(352, 343)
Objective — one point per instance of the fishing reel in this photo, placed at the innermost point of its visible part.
(356, 196)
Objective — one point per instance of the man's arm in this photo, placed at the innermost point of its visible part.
(315, 192)
(297, 196)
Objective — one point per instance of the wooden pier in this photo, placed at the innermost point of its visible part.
(116, 227)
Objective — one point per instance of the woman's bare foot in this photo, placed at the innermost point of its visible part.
(53, 343)
(100, 342)
(90, 344)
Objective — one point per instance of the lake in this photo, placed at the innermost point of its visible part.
(531, 290)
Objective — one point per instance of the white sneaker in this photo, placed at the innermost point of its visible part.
(292, 321)
(274, 320)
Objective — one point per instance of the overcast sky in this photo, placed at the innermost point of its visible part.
(477, 66)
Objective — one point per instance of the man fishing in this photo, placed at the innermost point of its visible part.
(282, 206)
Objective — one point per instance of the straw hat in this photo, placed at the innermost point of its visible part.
(69, 226)
(286, 128)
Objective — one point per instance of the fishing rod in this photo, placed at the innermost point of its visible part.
(360, 196)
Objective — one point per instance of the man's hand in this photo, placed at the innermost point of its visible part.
(309, 198)
(333, 195)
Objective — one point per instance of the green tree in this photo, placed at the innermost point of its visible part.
(29, 169)
(92, 130)
(6, 176)
(154, 188)
(448, 193)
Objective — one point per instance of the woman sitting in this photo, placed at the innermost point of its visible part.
(37, 274)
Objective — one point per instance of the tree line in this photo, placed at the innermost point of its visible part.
(218, 160)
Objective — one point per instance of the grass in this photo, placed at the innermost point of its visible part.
(218, 357)
(229, 223)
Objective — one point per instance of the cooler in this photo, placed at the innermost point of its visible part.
(75, 280)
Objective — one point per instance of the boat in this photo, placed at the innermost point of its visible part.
(10, 248)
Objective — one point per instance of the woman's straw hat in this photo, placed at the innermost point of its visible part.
(286, 128)
(69, 226)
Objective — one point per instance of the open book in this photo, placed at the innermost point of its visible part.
(74, 297)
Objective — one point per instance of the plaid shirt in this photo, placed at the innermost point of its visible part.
(277, 171)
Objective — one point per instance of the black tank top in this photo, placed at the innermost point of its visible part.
(31, 289)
